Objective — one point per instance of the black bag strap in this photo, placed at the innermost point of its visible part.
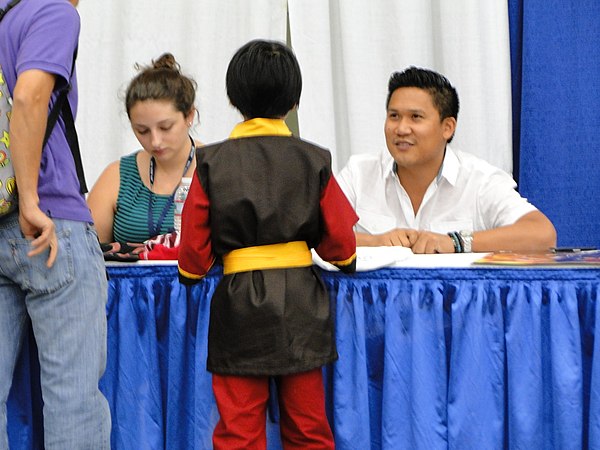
(8, 8)
(62, 107)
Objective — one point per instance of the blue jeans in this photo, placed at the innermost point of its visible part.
(67, 307)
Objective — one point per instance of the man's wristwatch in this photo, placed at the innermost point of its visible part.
(466, 236)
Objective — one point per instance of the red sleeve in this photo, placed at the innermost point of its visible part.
(195, 249)
(338, 243)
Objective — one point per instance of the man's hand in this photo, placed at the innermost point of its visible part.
(417, 241)
(402, 237)
(39, 228)
(430, 242)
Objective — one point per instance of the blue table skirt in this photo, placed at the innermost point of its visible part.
(484, 358)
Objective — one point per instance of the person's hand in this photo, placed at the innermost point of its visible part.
(429, 242)
(122, 251)
(124, 248)
(39, 229)
(401, 237)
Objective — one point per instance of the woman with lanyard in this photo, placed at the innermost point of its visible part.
(132, 200)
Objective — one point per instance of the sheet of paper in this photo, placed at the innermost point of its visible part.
(371, 258)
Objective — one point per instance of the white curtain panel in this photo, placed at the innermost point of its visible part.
(348, 50)
(202, 34)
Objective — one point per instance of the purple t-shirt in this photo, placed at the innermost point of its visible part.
(43, 35)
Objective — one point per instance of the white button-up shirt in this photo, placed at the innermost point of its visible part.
(468, 194)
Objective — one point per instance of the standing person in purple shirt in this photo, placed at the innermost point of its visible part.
(51, 265)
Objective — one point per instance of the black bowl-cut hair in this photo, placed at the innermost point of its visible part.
(264, 80)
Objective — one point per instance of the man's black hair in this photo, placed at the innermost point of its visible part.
(443, 94)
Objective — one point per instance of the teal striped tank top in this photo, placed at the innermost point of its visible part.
(131, 217)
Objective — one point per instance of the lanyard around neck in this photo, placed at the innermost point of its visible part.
(153, 229)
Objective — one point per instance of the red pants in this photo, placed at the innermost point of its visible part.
(242, 404)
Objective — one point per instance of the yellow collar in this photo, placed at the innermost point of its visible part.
(260, 127)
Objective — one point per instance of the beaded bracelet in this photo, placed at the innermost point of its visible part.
(458, 247)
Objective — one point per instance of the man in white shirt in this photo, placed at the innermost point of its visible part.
(423, 194)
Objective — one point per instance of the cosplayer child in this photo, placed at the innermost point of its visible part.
(259, 201)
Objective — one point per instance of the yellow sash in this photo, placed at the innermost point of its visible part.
(275, 256)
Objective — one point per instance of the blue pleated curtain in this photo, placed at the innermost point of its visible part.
(555, 56)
